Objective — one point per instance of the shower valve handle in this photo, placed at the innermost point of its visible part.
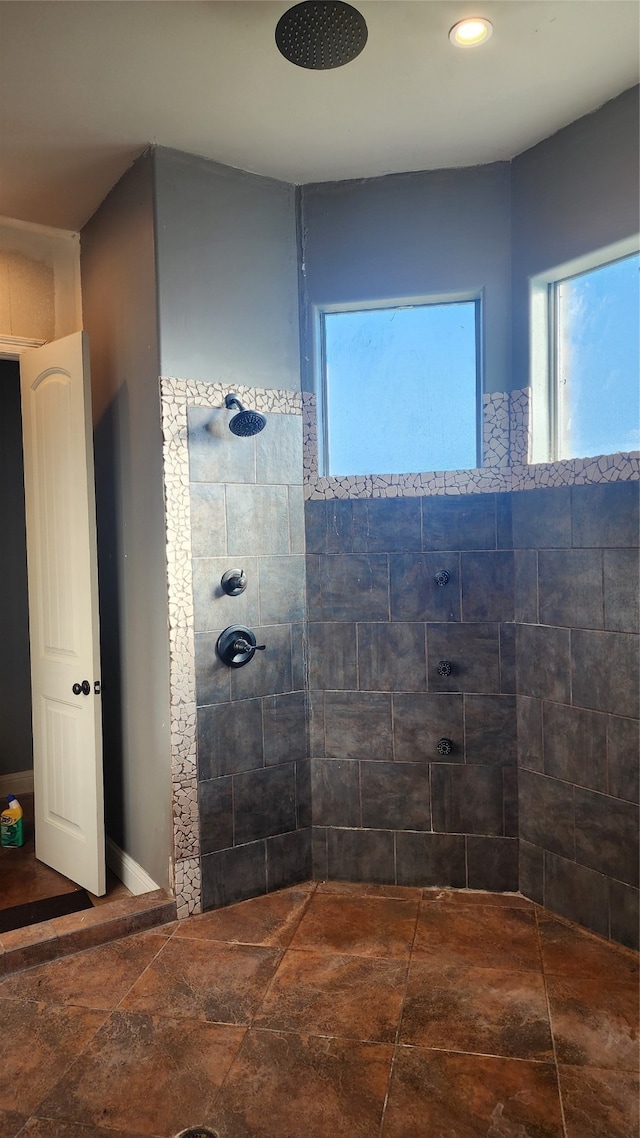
(242, 645)
(236, 646)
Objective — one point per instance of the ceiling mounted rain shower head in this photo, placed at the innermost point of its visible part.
(321, 34)
(246, 423)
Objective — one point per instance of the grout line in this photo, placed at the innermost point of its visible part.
(553, 1039)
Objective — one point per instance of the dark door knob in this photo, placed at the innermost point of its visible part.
(82, 689)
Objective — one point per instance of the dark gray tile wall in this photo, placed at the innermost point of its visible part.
(254, 776)
(386, 806)
(576, 598)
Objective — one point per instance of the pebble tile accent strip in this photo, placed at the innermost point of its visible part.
(506, 440)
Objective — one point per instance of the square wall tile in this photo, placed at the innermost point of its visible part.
(233, 875)
(492, 864)
(229, 738)
(319, 853)
(525, 586)
(391, 657)
(431, 860)
(546, 813)
(361, 855)
(490, 729)
(420, 720)
(570, 588)
(303, 794)
(465, 522)
(335, 793)
(606, 514)
(386, 525)
(214, 452)
(543, 662)
(257, 520)
(215, 806)
(605, 672)
(264, 803)
(541, 519)
(529, 727)
(358, 725)
(624, 915)
(285, 728)
(279, 451)
(212, 608)
(473, 651)
(623, 758)
(621, 589)
(282, 589)
(576, 893)
(332, 656)
(531, 871)
(575, 745)
(208, 520)
(354, 587)
(466, 799)
(487, 586)
(288, 859)
(607, 835)
(395, 796)
(415, 593)
(269, 672)
(213, 679)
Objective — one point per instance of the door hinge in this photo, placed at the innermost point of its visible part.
(96, 687)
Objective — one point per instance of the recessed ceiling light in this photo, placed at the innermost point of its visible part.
(470, 32)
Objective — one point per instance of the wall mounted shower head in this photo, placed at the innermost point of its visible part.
(245, 423)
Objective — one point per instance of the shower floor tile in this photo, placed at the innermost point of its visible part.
(470, 1096)
(331, 1011)
(481, 1010)
(359, 926)
(352, 996)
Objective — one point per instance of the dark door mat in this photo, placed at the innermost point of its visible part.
(19, 916)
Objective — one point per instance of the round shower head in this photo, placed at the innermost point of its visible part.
(321, 34)
(245, 423)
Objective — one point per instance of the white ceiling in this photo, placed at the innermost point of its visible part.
(86, 85)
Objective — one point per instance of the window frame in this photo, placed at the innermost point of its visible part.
(543, 356)
(321, 311)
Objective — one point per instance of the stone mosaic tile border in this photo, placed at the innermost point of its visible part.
(175, 396)
(506, 443)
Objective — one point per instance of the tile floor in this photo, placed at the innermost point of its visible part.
(330, 1011)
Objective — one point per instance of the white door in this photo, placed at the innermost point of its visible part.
(63, 610)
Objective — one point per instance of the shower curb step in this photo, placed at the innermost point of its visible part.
(37, 944)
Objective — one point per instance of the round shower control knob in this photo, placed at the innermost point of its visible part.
(444, 747)
(444, 668)
(236, 646)
(442, 577)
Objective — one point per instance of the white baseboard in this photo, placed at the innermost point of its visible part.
(131, 874)
(19, 783)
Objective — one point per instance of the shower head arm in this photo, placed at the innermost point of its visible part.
(233, 401)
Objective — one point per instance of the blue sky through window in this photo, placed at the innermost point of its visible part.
(598, 363)
(401, 389)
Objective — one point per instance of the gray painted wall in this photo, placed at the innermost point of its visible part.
(412, 236)
(227, 274)
(573, 193)
(119, 299)
(15, 678)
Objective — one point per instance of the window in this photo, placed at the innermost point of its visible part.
(399, 389)
(587, 397)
